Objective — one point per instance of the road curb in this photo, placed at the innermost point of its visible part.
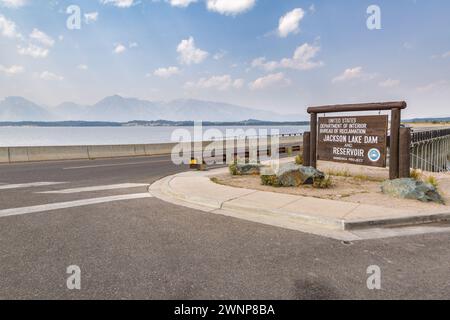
(397, 221)
(331, 227)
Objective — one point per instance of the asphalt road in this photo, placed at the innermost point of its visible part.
(143, 248)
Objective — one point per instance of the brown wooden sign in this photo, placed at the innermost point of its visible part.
(357, 140)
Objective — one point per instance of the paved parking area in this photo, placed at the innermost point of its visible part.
(130, 247)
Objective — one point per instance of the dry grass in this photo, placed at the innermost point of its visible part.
(362, 177)
(347, 174)
(339, 173)
(419, 176)
(416, 174)
(215, 180)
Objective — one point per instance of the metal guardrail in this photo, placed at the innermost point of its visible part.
(247, 137)
(420, 136)
(430, 150)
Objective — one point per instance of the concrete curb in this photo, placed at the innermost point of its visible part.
(398, 221)
(326, 226)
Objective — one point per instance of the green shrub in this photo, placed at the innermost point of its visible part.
(324, 183)
(432, 180)
(233, 168)
(289, 151)
(270, 181)
(299, 160)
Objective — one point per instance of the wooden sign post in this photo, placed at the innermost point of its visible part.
(358, 139)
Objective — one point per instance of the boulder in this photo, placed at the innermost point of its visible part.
(310, 174)
(245, 169)
(408, 188)
(290, 175)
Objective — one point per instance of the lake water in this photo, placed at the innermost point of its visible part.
(66, 136)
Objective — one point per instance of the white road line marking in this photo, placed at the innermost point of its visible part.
(70, 204)
(99, 188)
(115, 164)
(28, 185)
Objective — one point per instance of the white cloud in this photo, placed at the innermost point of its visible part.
(13, 70)
(446, 55)
(389, 83)
(181, 3)
(166, 72)
(230, 7)
(221, 83)
(407, 45)
(262, 62)
(13, 3)
(119, 3)
(119, 48)
(312, 8)
(48, 76)
(90, 17)
(238, 83)
(354, 74)
(189, 54)
(133, 45)
(290, 22)
(82, 67)
(42, 38)
(442, 84)
(33, 51)
(219, 55)
(269, 81)
(302, 60)
(8, 28)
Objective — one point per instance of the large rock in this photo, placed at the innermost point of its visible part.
(290, 175)
(411, 189)
(245, 169)
(310, 174)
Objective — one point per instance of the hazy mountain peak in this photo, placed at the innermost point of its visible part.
(120, 109)
(20, 109)
(113, 98)
(17, 100)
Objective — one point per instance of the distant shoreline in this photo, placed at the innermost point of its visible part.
(158, 123)
(425, 122)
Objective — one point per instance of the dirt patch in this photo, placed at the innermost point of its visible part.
(347, 189)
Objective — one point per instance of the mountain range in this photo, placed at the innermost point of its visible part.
(119, 109)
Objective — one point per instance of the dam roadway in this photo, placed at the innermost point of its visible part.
(99, 216)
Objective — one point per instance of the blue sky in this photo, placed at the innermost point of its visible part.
(236, 51)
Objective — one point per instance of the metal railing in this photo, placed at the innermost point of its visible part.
(242, 137)
(430, 150)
